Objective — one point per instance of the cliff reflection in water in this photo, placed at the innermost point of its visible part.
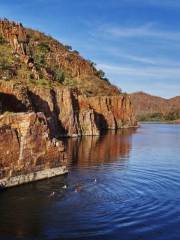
(89, 151)
(30, 209)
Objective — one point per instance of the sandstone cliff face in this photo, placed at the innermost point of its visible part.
(69, 113)
(14, 97)
(26, 147)
(16, 35)
(112, 112)
(77, 115)
(88, 105)
(52, 92)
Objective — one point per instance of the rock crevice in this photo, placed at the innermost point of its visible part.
(48, 91)
(26, 147)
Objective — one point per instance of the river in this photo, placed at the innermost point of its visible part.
(123, 185)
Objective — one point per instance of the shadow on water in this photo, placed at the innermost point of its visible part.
(26, 211)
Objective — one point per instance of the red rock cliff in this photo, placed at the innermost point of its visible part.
(27, 150)
(47, 91)
(68, 112)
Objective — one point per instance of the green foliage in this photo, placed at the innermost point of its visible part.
(41, 82)
(6, 57)
(33, 35)
(6, 62)
(59, 75)
(40, 53)
(44, 47)
(2, 40)
(93, 64)
(70, 82)
(171, 116)
(68, 47)
(150, 117)
(106, 79)
(4, 65)
(101, 73)
(39, 61)
(24, 73)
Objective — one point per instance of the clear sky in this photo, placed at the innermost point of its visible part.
(136, 42)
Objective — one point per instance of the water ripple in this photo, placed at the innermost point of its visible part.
(122, 186)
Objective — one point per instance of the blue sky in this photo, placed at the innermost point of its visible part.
(136, 42)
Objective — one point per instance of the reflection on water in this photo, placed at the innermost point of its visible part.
(89, 151)
(123, 185)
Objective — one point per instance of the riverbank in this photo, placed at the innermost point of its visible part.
(160, 122)
(32, 177)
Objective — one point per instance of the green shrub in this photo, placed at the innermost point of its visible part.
(40, 54)
(41, 82)
(4, 65)
(151, 117)
(68, 47)
(59, 76)
(40, 61)
(2, 40)
(70, 82)
(93, 64)
(173, 115)
(44, 47)
(101, 74)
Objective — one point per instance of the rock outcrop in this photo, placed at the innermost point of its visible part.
(112, 112)
(16, 35)
(48, 91)
(69, 113)
(27, 151)
(42, 57)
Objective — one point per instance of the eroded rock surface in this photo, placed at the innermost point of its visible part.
(69, 113)
(47, 91)
(26, 147)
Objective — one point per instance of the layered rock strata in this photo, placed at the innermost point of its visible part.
(69, 113)
(47, 91)
(27, 152)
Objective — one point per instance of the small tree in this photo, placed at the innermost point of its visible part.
(101, 74)
(59, 76)
(2, 40)
(93, 64)
(68, 47)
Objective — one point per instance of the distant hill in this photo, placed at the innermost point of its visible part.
(148, 107)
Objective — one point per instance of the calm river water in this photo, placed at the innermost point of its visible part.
(123, 186)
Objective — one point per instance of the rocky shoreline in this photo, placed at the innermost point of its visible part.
(48, 92)
(32, 177)
(27, 151)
